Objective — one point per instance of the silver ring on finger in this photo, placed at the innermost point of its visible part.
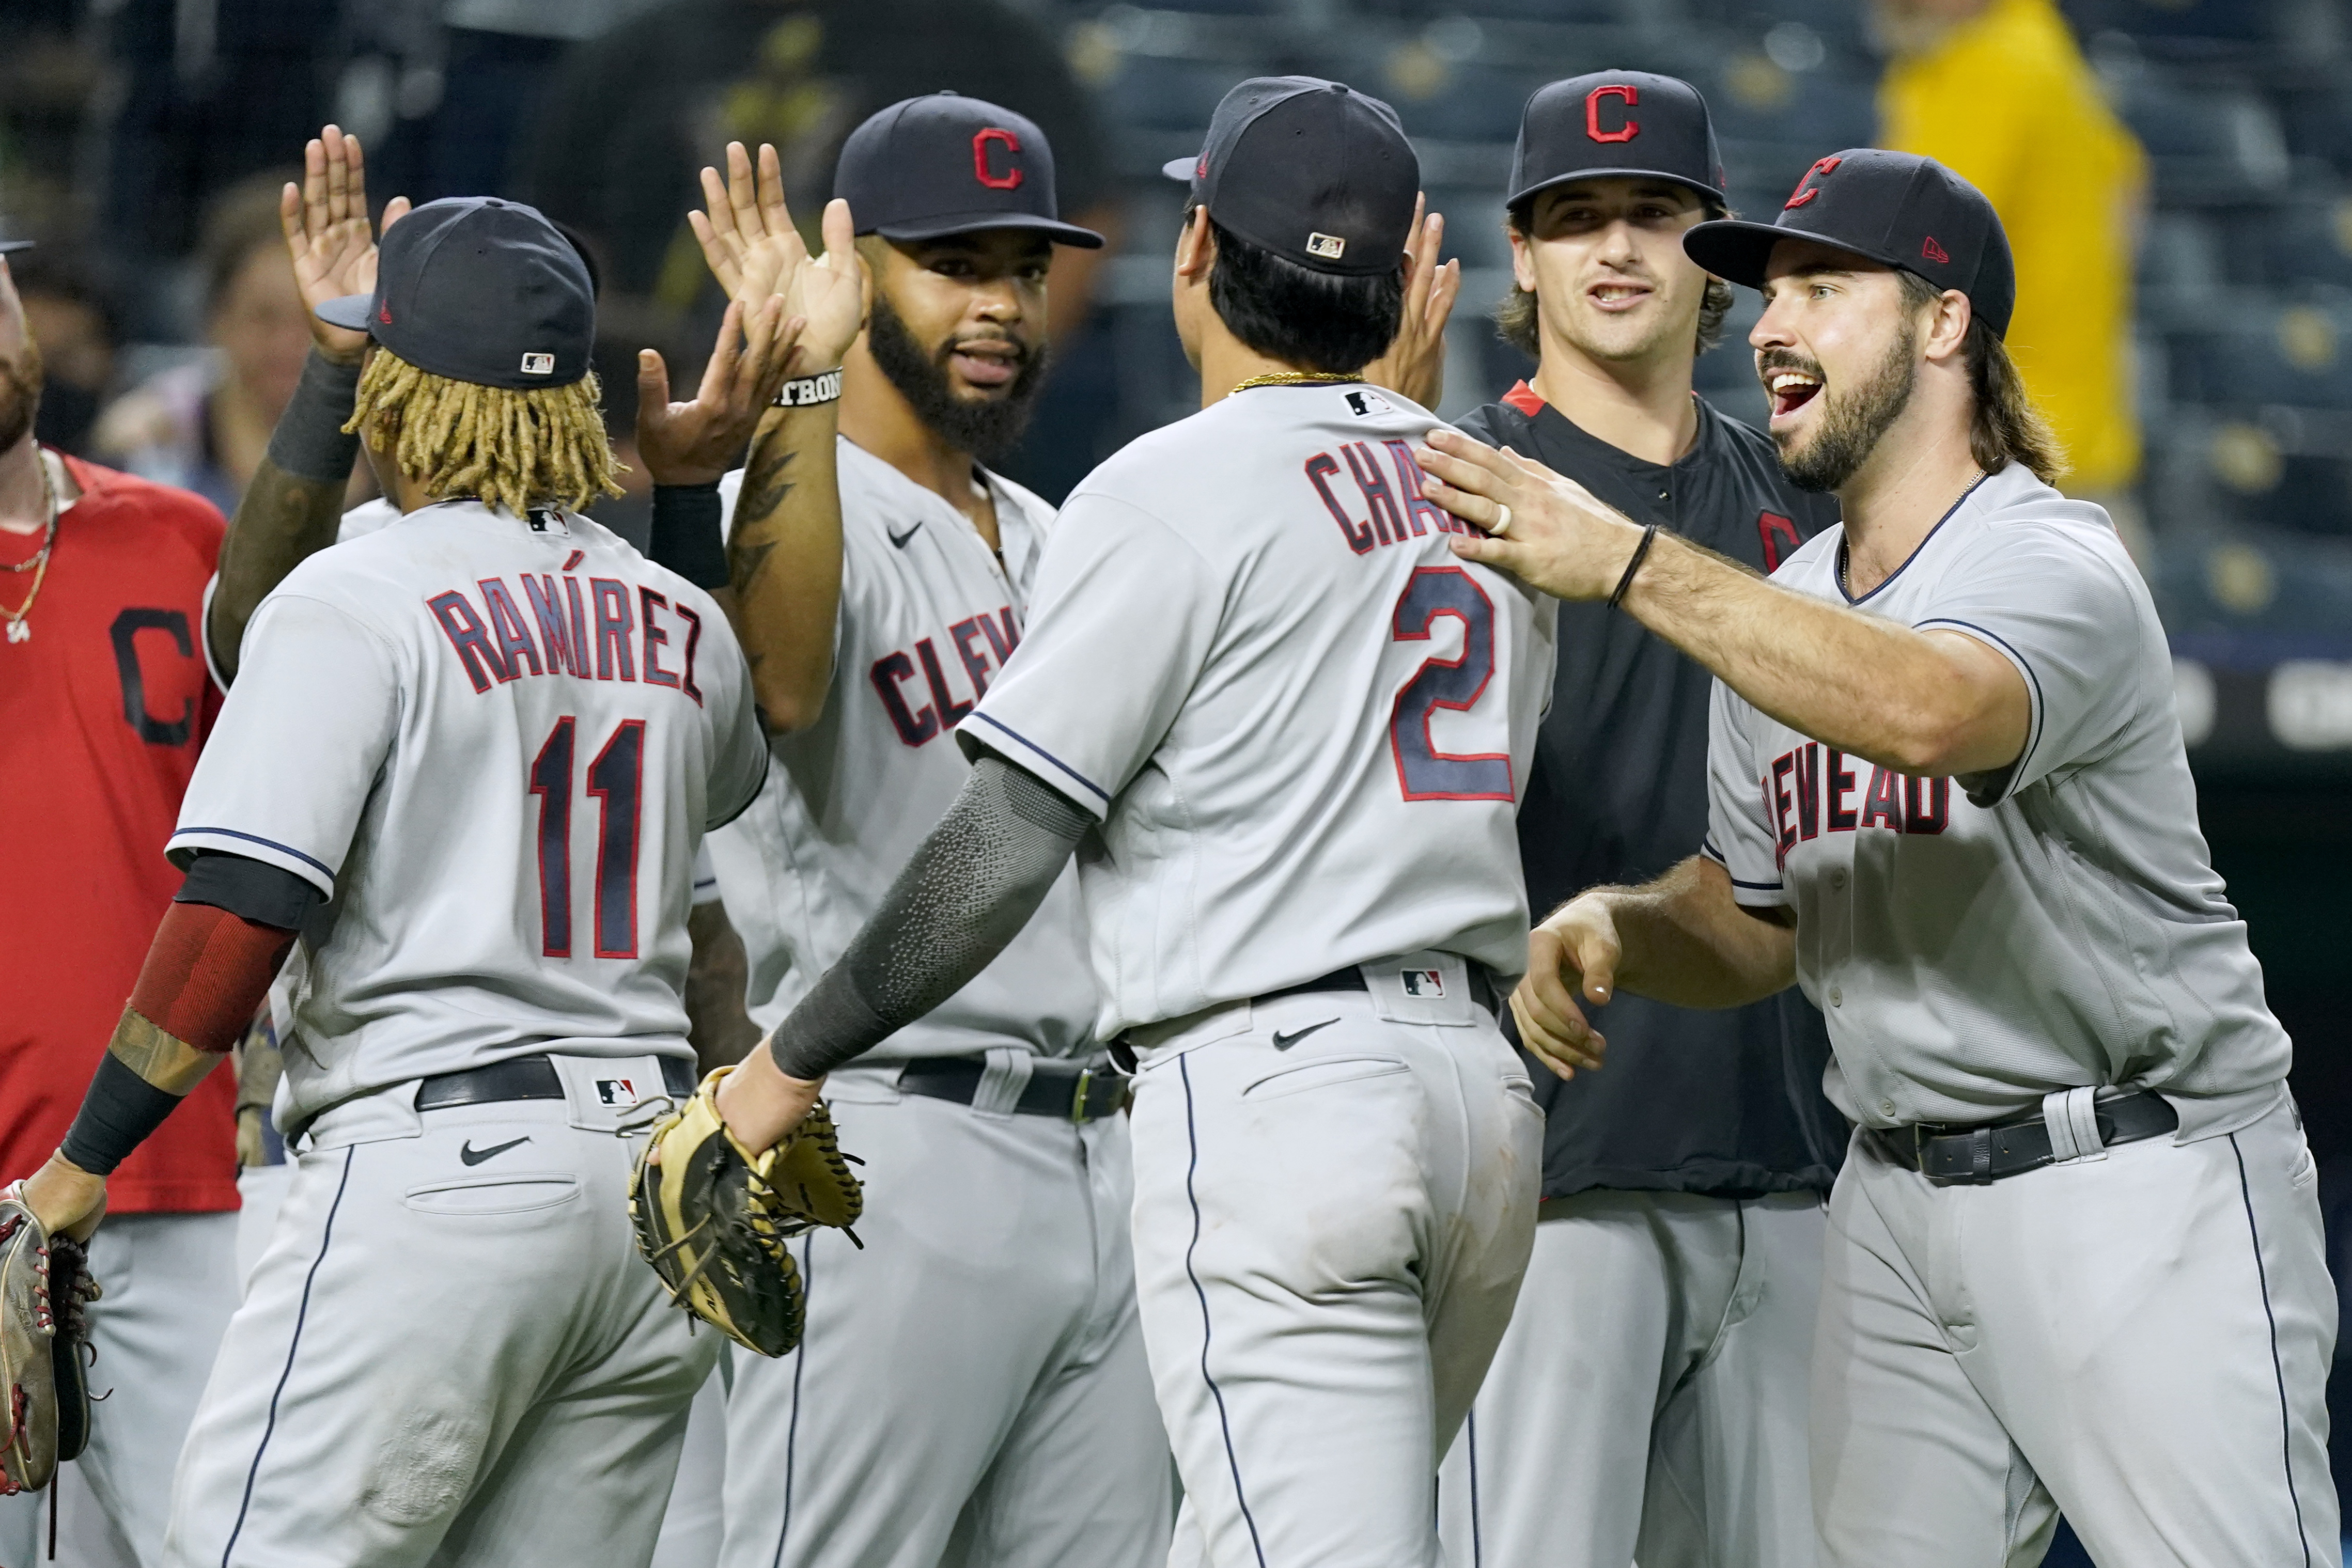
(1502, 528)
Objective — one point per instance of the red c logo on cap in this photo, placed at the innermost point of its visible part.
(1630, 96)
(1008, 181)
(1805, 191)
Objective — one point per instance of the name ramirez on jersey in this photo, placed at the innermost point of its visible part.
(494, 744)
(1305, 723)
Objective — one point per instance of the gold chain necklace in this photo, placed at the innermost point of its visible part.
(1296, 379)
(19, 631)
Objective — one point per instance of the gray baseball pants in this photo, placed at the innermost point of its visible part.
(1648, 1402)
(2140, 1338)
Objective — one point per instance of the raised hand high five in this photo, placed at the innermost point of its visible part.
(754, 250)
(329, 236)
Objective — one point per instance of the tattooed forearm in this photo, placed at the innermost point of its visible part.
(281, 520)
(766, 483)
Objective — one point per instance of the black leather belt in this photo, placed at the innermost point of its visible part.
(1953, 1157)
(1351, 978)
(526, 1078)
(1062, 1089)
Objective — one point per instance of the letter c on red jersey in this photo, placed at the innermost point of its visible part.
(1625, 91)
(1008, 181)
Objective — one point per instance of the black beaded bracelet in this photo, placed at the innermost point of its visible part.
(1641, 552)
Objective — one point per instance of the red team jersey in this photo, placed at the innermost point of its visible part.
(103, 710)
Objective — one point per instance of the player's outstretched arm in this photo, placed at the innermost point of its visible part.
(1682, 939)
(970, 889)
(1414, 364)
(214, 954)
(784, 553)
(1928, 703)
(295, 500)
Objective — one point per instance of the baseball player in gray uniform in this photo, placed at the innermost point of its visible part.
(517, 730)
(881, 577)
(1289, 728)
(2075, 1259)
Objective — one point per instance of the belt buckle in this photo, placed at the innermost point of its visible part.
(1078, 1114)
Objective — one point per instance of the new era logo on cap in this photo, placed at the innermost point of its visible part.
(539, 364)
(1933, 251)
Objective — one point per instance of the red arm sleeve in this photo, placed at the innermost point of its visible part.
(206, 974)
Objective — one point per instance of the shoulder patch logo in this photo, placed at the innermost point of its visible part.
(1330, 247)
(1364, 404)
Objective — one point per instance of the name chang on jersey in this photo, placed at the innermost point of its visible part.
(608, 630)
(1390, 510)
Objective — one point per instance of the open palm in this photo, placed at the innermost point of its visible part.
(329, 236)
(754, 250)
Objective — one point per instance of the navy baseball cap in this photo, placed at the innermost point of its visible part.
(1615, 124)
(1894, 208)
(479, 291)
(945, 164)
(1311, 169)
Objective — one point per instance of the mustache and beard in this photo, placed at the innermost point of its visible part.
(1852, 422)
(985, 427)
(20, 394)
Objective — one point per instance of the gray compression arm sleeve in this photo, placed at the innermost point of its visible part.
(968, 891)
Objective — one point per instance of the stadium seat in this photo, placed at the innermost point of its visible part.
(2299, 356)
(1818, 112)
(2311, 243)
(2206, 139)
(2319, 125)
(2189, 25)
(1456, 103)
(1160, 94)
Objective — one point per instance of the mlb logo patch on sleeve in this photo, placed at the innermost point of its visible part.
(617, 1090)
(1424, 982)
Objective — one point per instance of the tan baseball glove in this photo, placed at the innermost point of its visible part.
(45, 1285)
(713, 1219)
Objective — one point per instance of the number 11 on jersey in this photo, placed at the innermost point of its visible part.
(615, 778)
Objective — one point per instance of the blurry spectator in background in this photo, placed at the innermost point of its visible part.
(204, 426)
(1998, 91)
(77, 325)
(635, 114)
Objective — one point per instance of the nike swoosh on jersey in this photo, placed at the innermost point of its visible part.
(473, 1156)
(1285, 1041)
(900, 539)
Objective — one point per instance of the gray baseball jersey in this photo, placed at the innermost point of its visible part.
(1304, 722)
(514, 733)
(928, 616)
(1977, 943)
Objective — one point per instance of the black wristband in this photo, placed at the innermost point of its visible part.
(117, 1115)
(309, 442)
(1641, 552)
(686, 535)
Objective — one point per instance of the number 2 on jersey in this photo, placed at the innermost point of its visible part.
(613, 778)
(1423, 772)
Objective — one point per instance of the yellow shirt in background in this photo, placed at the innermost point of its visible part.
(2006, 100)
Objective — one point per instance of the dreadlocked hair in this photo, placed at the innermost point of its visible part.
(507, 447)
